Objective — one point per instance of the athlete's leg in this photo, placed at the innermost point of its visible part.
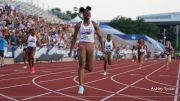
(32, 56)
(141, 59)
(105, 63)
(28, 51)
(109, 57)
(82, 60)
(32, 60)
(90, 57)
(24, 57)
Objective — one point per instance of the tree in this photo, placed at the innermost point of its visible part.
(68, 15)
(61, 15)
(56, 10)
(68, 12)
(73, 14)
(75, 9)
(129, 26)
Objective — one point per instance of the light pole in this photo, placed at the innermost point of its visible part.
(164, 36)
(177, 35)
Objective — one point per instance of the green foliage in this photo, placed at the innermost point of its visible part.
(129, 26)
(68, 15)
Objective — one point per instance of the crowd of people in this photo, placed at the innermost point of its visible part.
(29, 32)
(15, 25)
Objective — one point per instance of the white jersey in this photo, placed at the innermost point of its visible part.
(61, 43)
(32, 41)
(108, 46)
(86, 32)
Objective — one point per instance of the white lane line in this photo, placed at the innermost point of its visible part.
(120, 66)
(147, 78)
(56, 79)
(40, 81)
(26, 84)
(135, 74)
(119, 95)
(137, 81)
(112, 78)
(47, 69)
(177, 85)
(15, 86)
(34, 82)
(57, 91)
(61, 89)
(141, 87)
(10, 98)
(18, 78)
(127, 85)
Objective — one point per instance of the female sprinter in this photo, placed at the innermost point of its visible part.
(142, 48)
(24, 43)
(109, 47)
(31, 48)
(134, 53)
(168, 52)
(86, 30)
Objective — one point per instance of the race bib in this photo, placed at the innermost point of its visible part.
(84, 37)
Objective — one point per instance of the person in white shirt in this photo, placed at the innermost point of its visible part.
(31, 48)
(134, 53)
(109, 46)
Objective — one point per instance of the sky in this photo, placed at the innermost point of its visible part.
(109, 9)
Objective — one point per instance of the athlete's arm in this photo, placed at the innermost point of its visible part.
(73, 41)
(172, 49)
(99, 35)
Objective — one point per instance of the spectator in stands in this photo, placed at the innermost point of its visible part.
(3, 44)
(14, 25)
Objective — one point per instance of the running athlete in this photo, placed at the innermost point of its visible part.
(86, 30)
(109, 47)
(24, 43)
(168, 51)
(142, 48)
(134, 53)
(31, 48)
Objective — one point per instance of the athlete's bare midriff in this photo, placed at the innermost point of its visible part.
(86, 43)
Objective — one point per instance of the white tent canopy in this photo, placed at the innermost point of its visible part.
(76, 20)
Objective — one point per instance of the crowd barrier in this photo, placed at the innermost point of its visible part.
(42, 54)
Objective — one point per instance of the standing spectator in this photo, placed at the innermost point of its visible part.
(2, 48)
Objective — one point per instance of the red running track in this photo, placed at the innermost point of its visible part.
(125, 81)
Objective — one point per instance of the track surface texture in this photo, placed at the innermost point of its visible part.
(125, 81)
